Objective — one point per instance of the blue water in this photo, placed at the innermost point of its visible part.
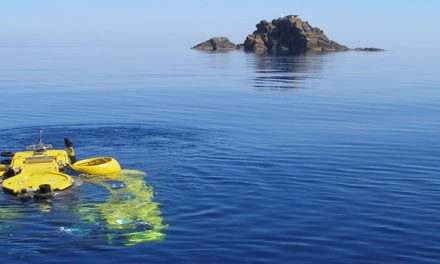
(330, 158)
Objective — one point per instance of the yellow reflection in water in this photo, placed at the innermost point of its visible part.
(127, 208)
(7, 213)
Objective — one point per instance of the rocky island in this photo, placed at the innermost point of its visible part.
(285, 35)
(216, 44)
(289, 35)
(368, 49)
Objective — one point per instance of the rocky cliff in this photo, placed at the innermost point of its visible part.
(289, 35)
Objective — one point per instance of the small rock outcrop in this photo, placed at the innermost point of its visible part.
(216, 44)
(368, 49)
(289, 35)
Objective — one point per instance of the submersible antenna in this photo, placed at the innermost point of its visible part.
(40, 147)
(41, 137)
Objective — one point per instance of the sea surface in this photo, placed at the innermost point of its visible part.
(316, 158)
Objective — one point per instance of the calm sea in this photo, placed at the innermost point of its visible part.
(330, 158)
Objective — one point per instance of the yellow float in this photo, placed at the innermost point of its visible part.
(98, 166)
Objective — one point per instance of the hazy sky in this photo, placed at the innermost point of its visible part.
(381, 23)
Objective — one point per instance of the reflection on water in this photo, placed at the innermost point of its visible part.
(128, 216)
(129, 211)
(286, 72)
(9, 213)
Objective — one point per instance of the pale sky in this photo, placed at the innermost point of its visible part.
(388, 23)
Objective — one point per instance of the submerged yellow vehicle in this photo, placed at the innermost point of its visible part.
(129, 211)
(40, 170)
